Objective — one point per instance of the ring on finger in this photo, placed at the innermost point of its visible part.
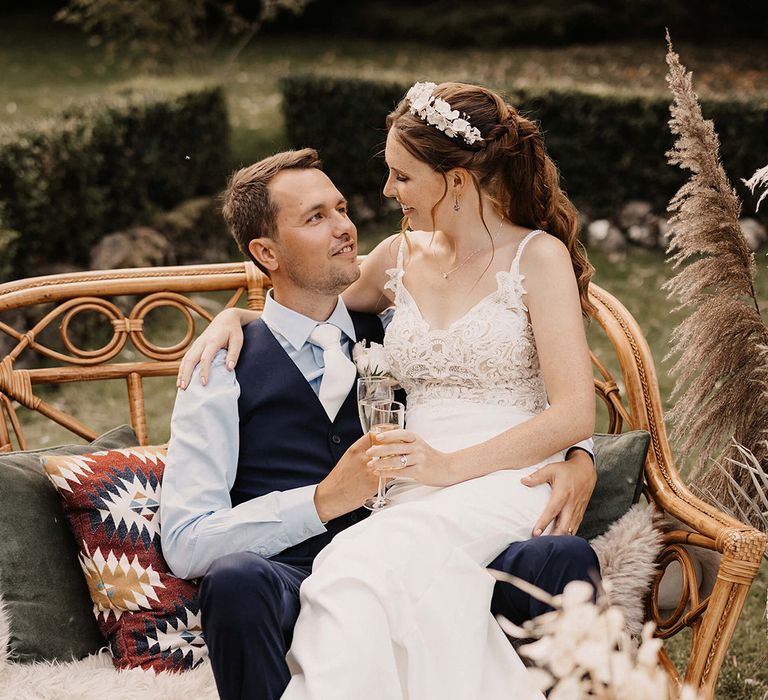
(404, 460)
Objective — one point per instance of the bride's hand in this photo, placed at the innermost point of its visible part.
(225, 331)
(404, 453)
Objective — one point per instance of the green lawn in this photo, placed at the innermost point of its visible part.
(43, 66)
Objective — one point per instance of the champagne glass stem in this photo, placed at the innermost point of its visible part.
(385, 416)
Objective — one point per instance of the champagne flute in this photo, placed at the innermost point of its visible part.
(385, 416)
(370, 390)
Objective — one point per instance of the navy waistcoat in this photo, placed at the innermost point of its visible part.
(286, 438)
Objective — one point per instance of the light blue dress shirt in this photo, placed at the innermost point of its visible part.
(292, 331)
(199, 523)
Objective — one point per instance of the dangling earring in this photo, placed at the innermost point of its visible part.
(456, 205)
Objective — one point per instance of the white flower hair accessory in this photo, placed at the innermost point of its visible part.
(439, 114)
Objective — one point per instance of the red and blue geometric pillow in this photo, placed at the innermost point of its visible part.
(149, 617)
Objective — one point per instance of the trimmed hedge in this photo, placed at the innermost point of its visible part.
(610, 148)
(103, 165)
(344, 120)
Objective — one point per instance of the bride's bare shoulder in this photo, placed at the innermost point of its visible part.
(420, 238)
(544, 251)
(384, 255)
(417, 243)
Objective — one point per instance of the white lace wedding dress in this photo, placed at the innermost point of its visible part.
(398, 606)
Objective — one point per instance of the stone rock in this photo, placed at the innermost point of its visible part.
(636, 212)
(636, 217)
(137, 247)
(645, 235)
(754, 232)
(604, 236)
(56, 268)
(584, 222)
(665, 232)
(196, 232)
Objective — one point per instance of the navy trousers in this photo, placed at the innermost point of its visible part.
(250, 605)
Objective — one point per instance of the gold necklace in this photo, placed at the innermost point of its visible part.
(448, 273)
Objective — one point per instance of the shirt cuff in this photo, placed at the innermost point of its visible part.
(586, 445)
(299, 514)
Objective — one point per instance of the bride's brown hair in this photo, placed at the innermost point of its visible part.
(510, 164)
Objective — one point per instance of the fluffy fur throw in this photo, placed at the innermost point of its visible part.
(627, 554)
(95, 678)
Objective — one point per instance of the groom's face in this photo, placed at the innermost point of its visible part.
(315, 247)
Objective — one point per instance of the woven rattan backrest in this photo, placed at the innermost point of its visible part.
(39, 343)
(38, 315)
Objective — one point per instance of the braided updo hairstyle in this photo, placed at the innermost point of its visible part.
(510, 165)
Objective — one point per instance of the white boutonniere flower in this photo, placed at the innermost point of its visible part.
(370, 361)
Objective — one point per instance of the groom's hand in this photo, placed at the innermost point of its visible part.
(572, 483)
(348, 485)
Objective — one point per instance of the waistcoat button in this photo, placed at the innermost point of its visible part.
(335, 439)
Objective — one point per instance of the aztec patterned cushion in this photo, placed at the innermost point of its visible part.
(48, 623)
(150, 618)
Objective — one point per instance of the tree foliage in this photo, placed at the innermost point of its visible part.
(156, 35)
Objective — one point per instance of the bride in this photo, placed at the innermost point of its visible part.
(488, 283)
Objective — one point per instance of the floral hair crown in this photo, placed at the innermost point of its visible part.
(439, 114)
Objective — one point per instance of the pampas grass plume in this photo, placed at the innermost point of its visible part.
(721, 348)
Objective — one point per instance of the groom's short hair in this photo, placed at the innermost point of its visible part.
(248, 208)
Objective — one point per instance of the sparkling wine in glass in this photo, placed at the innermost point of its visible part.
(370, 390)
(385, 416)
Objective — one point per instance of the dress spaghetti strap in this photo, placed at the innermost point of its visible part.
(516, 262)
(401, 254)
(395, 274)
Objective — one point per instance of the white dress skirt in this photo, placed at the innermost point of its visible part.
(398, 606)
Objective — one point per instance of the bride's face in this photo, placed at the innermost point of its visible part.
(416, 186)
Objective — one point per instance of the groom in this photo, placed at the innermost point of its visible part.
(266, 464)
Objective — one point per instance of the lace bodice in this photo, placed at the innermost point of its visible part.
(488, 355)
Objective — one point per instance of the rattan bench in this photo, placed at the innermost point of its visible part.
(124, 298)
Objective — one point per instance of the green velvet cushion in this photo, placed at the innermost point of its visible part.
(619, 461)
(50, 610)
